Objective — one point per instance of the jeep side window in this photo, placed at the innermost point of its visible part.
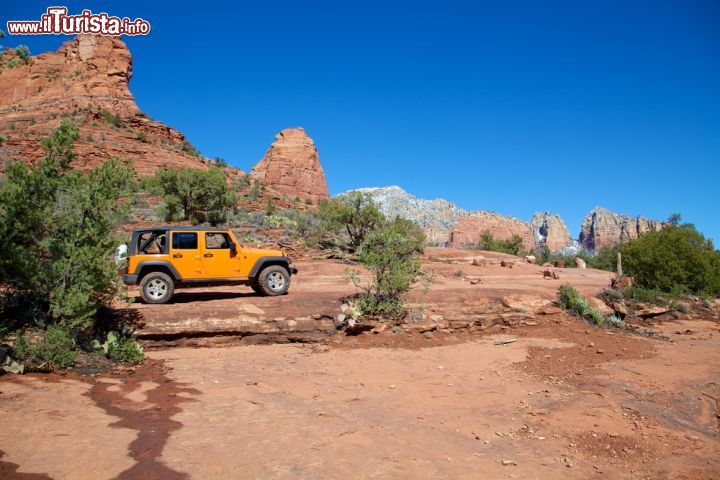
(217, 241)
(184, 241)
(152, 242)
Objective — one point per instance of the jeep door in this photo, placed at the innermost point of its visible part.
(185, 254)
(219, 261)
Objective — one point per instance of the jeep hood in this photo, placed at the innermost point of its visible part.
(262, 252)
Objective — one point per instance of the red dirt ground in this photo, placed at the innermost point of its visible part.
(564, 400)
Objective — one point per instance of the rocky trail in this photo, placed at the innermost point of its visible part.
(493, 382)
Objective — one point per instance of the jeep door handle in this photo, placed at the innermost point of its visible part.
(177, 255)
(208, 255)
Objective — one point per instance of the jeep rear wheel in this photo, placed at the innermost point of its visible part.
(274, 280)
(157, 287)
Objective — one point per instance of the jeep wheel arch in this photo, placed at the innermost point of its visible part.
(146, 267)
(263, 262)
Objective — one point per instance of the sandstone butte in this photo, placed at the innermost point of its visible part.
(87, 80)
(291, 167)
(550, 231)
(603, 228)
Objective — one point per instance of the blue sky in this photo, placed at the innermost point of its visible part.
(514, 106)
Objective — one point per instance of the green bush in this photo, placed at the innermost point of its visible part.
(676, 259)
(571, 300)
(195, 194)
(121, 347)
(389, 252)
(646, 295)
(57, 226)
(54, 348)
(350, 218)
(110, 118)
(605, 259)
(189, 149)
(513, 245)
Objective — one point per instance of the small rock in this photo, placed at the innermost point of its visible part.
(509, 462)
(428, 335)
(600, 351)
(591, 344)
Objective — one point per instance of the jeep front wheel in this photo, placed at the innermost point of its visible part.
(274, 280)
(157, 287)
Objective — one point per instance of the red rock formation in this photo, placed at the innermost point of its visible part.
(550, 231)
(603, 228)
(291, 167)
(87, 81)
(469, 229)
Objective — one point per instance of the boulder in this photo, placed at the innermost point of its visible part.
(524, 303)
(650, 312)
(580, 263)
(619, 283)
(530, 258)
(559, 263)
(601, 306)
(479, 261)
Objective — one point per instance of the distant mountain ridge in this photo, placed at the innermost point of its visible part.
(445, 223)
(436, 217)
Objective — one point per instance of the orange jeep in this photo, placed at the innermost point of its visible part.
(163, 258)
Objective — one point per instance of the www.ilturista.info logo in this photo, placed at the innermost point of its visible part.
(56, 21)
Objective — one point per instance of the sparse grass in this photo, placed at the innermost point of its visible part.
(646, 295)
(571, 300)
(112, 119)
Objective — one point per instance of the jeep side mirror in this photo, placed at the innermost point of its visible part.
(233, 249)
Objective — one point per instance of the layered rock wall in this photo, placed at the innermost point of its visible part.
(603, 228)
(87, 81)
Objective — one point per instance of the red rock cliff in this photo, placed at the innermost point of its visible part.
(291, 167)
(550, 231)
(603, 228)
(469, 229)
(85, 80)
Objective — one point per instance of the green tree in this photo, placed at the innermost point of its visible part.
(675, 259)
(513, 245)
(354, 215)
(605, 259)
(389, 252)
(57, 226)
(674, 219)
(195, 194)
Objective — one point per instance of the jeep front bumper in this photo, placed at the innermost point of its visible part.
(292, 270)
(129, 279)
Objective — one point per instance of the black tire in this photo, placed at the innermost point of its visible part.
(157, 287)
(274, 280)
